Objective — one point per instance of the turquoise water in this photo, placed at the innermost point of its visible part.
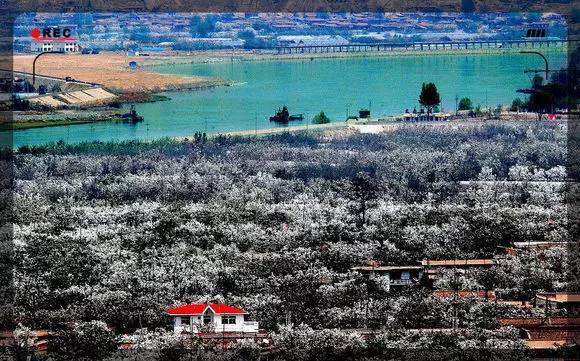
(336, 86)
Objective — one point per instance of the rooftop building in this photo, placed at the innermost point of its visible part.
(392, 276)
(211, 318)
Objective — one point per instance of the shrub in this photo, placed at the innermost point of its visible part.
(320, 118)
(517, 105)
(85, 341)
(465, 104)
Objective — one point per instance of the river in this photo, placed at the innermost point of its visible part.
(386, 85)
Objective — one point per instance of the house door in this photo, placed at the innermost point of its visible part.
(207, 317)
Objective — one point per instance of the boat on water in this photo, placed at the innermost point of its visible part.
(283, 116)
(296, 117)
(132, 116)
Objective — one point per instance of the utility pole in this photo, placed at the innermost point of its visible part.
(543, 57)
(486, 104)
(34, 63)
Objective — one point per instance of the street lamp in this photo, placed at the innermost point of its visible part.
(543, 57)
(36, 58)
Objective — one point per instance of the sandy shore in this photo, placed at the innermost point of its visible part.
(111, 70)
(386, 125)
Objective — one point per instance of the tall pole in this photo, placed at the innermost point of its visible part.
(543, 57)
(34, 63)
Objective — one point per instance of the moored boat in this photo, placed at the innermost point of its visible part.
(283, 116)
(132, 116)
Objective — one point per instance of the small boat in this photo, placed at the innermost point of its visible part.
(283, 116)
(132, 116)
(296, 117)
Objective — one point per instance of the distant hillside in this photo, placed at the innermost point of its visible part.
(561, 6)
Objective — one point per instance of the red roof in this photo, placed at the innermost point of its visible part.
(536, 322)
(200, 308)
(464, 294)
(48, 39)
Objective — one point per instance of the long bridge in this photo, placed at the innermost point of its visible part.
(425, 46)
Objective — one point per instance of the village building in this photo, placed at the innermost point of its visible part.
(463, 294)
(546, 333)
(66, 45)
(37, 341)
(434, 268)
(515, 303)
(311, 40)
(211, 318)
(420, 117)
(553, 301)
(534, 246)
(392, 276)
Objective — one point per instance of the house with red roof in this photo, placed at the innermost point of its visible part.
(66, 45)
(211, 318)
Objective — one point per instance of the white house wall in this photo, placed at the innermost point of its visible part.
(239, 326)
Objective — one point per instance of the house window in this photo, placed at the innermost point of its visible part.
(405, 275)
(185, 320)
(228, 320)
(206, 319)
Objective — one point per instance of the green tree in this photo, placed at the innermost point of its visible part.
(362, 191)
(541, 102)
(465, 104)
(320, 118)
(537, 81)
(517, 105)
(429, 97)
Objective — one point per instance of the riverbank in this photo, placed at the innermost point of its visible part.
(351, 124)
(292, 128)
(22, 120)
(382, 125)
